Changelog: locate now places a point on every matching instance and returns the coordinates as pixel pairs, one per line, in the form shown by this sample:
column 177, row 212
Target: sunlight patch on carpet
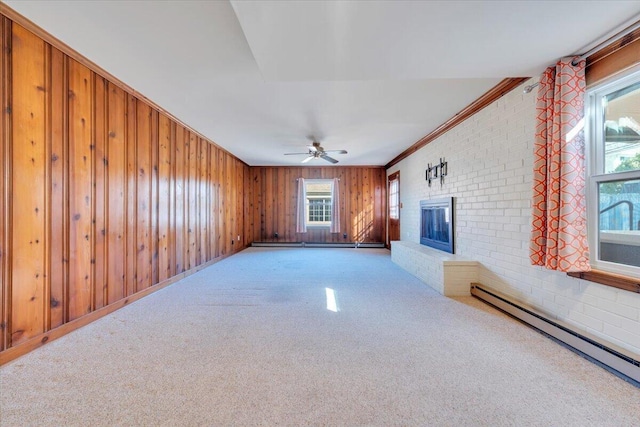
column 331, row 300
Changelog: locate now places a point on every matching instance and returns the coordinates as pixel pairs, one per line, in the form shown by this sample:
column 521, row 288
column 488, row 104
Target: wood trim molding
column 614, row 58
column 609, row 279
column 499, row 90
column 71, row 53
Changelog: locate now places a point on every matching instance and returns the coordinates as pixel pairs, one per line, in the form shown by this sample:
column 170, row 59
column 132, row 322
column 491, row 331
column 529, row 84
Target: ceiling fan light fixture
column 316, row 151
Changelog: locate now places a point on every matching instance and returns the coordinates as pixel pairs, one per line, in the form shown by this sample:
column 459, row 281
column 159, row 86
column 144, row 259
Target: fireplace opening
column 436, row 224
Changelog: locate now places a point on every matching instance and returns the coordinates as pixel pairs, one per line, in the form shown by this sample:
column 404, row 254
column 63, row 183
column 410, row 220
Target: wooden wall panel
column 143, row 197
column 5, row 156
column 180, row 247
column 58, row 236
column 203, row 203
column 101, row 196
column 28, row 192
column 131, row 195
column 274, row 199
column 222, row 201
column 99, row 216
column 80, row 190
column 165, row 172
column 191, row 200
column 247, row 211
column 215, row 202
column 154, row 203
column 116, row 195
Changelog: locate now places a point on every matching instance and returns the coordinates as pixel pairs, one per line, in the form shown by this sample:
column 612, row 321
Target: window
column 394, row 199
column 614, row 175
column 318, row 203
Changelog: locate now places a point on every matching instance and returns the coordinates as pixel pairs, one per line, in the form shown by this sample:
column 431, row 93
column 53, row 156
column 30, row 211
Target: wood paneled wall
column 101, row 196
column 362, row 204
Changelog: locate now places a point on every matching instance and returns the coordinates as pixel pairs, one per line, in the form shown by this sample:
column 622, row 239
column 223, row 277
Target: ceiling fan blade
column 308, row 159
column 329, row 159
column 293, row 154
column 336, row 151
column 312, row 148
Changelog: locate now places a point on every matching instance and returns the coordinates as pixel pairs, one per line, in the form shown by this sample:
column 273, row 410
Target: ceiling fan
column 316, row 151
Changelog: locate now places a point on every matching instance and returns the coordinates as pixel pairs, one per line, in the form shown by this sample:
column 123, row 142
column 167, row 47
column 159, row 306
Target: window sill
column 627, row 283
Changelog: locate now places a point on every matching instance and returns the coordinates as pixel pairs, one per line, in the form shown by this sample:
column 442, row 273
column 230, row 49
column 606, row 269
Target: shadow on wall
column 362, row 226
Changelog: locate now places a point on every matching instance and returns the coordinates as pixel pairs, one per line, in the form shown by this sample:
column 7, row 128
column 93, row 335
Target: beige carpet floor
column 250, row 341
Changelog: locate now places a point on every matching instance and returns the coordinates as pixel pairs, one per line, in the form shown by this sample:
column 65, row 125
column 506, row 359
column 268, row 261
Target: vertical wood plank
column 28, row 202
column 248, row 206
column 47, row 194
column 143, row 192
column 269, row 206
column 197, row 203
column 215, row 202
column 100, row 192
column 58, row 270
column 153, row 262
column 172, row 201
column 131, row 258
column 239, row 203
column 164, row 194
column 116, row 194
column 80, row 190
column 280, row 202
column 258, row 183
column 192, row 225
column 5, row 157
column 204, row 203
column 179, row 199
column 229, row 202
column 223, row 200
column 380, row 204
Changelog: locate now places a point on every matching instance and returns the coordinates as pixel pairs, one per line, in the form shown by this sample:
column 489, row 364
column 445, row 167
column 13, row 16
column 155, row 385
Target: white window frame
column 595, row 159
column 318, row 224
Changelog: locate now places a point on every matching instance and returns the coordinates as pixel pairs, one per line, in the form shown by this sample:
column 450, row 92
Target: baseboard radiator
column 317, row 245
column 619, row 361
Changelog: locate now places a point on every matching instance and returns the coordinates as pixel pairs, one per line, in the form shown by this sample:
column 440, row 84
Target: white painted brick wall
column 448, row 274
column 490, row 172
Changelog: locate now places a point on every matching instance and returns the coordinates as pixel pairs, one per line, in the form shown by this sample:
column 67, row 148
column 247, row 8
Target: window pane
column 319, row 210
column 319, row 202
column 622, row 129
column 619, row 221
column 394, row 202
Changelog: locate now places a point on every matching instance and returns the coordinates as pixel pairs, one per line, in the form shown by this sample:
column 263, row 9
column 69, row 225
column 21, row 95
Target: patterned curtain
column 335, row 206
column 559, row 226
column 301, row 220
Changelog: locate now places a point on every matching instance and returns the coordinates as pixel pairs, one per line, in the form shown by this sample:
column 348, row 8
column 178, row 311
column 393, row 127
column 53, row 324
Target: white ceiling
column 259, row 77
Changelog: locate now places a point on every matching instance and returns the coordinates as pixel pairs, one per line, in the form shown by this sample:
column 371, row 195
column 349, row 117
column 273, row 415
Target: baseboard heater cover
column 316, row 245
column 618, row 360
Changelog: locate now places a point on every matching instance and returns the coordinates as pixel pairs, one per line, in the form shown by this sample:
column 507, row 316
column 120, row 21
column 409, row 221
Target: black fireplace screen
column 436, row 224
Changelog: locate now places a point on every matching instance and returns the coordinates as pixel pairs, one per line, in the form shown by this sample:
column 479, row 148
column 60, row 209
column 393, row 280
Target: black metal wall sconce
column 436, row 171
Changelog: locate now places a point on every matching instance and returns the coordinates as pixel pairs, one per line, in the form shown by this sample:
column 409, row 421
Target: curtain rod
column 631, row 28
column 614, row 38
column 317, row 178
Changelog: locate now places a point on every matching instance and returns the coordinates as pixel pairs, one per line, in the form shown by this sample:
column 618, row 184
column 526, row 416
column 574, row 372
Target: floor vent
column 316, row 245
column 620, row 362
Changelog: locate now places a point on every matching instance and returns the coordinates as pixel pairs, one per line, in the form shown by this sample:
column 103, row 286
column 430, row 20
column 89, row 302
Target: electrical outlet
column 238, row 237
